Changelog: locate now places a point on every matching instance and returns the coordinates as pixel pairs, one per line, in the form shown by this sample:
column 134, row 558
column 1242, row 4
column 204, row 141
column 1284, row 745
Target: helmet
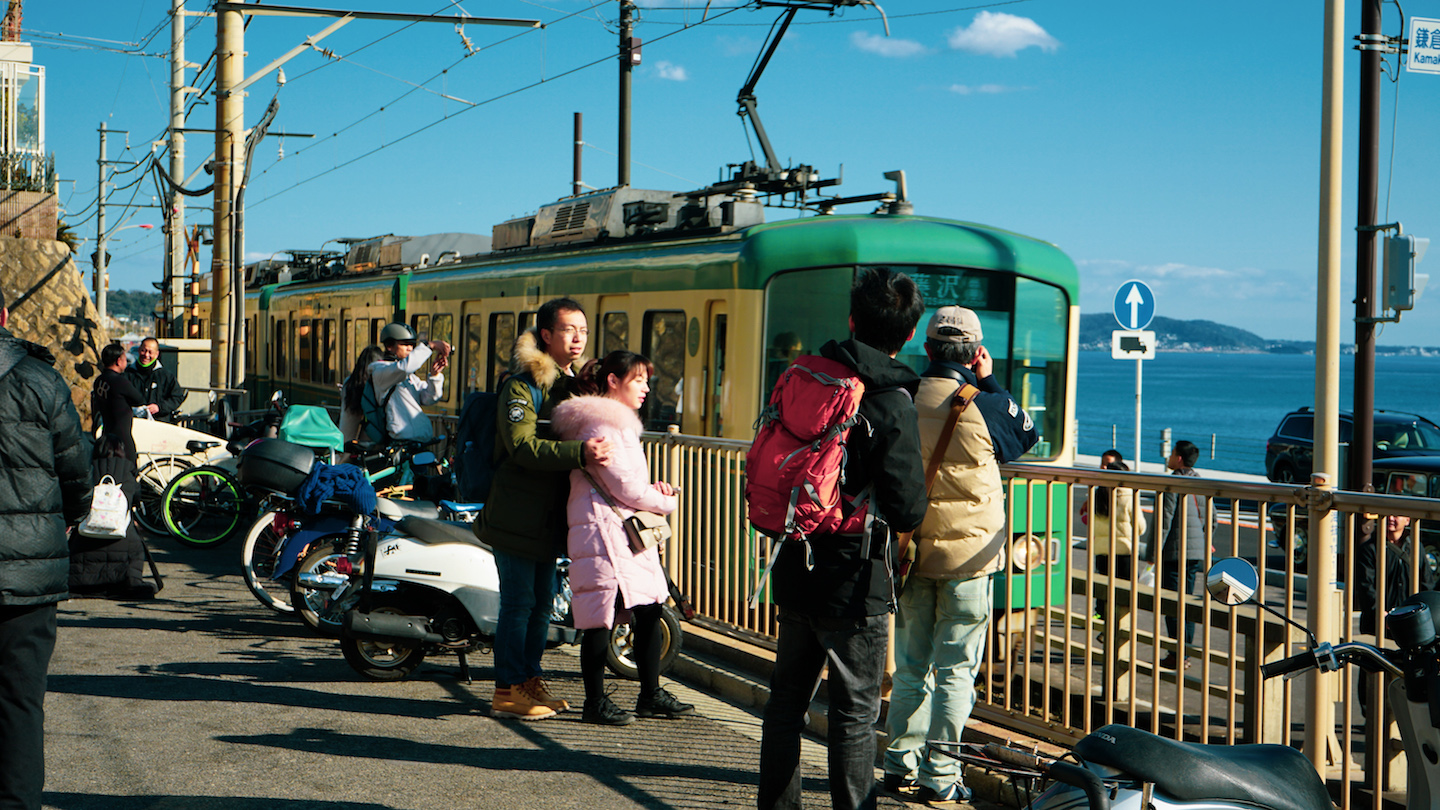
column 397, row 332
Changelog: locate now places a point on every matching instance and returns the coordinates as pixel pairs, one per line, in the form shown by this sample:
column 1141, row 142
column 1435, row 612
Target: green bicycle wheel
column 202, row 507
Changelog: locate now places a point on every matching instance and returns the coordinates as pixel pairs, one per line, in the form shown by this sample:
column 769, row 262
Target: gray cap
column 954, row 324
column 398, row 332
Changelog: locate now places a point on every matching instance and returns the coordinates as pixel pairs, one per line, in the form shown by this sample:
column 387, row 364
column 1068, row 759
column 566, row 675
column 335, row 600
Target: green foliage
column 136, row 305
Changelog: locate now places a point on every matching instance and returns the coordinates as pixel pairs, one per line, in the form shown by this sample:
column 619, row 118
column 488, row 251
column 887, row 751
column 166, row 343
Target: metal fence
column 1067, row 664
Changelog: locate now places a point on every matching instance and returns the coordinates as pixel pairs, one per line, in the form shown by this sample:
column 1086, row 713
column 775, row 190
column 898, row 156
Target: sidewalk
column 203, row 699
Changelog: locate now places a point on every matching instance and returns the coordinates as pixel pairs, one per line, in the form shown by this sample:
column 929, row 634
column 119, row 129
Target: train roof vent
column 571, row 217
column 612, row 213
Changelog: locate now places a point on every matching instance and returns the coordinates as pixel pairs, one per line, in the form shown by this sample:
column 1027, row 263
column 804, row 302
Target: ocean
column 1237, row 399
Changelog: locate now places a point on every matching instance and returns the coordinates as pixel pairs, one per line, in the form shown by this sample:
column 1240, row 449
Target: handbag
column 645, row 530
column 109, row 512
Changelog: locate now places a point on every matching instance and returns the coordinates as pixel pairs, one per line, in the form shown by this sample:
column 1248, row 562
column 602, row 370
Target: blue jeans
column 527, row 599
column 939, row 645
column 855, row 650
column 1170, row 580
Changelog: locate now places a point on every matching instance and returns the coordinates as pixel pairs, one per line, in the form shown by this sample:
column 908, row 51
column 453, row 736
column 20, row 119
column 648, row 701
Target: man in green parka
column 524, row 518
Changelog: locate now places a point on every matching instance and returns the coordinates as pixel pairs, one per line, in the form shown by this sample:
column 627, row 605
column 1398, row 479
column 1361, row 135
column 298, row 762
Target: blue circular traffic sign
column 1134, row 305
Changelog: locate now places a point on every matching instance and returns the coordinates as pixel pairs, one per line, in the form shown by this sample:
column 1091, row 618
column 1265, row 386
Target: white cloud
column 671, row 72
column 887, row 46
column 967, row 90
column 997, row 34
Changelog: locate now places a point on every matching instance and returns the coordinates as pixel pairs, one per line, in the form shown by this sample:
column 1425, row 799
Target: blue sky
column 1174, row 143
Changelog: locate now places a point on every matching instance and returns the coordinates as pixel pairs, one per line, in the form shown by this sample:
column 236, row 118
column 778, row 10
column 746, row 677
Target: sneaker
column 901, row 787
column 512, row 702
column 956, row 795
column 539, row 692
column 604, row 712
column 662, row 704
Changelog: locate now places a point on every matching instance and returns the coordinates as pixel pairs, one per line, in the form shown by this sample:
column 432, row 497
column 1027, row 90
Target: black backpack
column 475, row 461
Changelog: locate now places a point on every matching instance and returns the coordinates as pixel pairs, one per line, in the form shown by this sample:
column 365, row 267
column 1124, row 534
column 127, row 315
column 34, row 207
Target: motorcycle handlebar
column 1285, row 666
column 1330, row 658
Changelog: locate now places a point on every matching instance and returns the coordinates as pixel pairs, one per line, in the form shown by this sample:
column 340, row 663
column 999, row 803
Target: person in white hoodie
column 398, row 388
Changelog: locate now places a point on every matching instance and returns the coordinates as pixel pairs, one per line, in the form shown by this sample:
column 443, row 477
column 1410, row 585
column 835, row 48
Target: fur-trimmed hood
column 574, row 415
column 528, row 356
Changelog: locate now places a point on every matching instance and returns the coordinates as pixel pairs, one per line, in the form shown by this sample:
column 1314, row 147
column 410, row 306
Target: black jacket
column 44, row 474
column 111, row 401
column 158, row 386
column 887, row 457
column 115, row 567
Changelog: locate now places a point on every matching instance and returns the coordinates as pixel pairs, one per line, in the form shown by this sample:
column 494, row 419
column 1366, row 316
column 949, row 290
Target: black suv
column 1289, row 453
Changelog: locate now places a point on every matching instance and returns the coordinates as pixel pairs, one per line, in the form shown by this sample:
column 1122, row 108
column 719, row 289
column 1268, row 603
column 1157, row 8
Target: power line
column 841, row 21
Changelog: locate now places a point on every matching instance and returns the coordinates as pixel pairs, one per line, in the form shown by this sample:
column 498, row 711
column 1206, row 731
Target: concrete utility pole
column 100, row 281
column 1363, row 442
column 175, row 246
column 229, row 125
column 627, row 64
column 1322, row 608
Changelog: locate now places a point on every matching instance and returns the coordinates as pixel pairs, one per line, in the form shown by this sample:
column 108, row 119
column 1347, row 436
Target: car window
column 1412, row 484
column 1424, row 437
column 1300, row 426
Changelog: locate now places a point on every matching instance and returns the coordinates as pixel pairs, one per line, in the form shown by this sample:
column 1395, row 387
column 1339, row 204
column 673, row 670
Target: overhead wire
column 841, row 20
column 437, row 122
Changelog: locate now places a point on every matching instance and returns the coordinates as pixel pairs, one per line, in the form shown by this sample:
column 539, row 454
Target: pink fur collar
column 573, row 416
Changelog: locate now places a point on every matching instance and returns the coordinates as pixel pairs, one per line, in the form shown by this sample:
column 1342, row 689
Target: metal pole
column 229, row 122
column 576, row 185
column 1364, row 434
column 175, row 227
column 1321, row 608
column 1139, row 365
column 626, row 31
column 100, row 280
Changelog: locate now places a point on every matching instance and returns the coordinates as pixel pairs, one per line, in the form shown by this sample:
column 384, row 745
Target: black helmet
column 398, row 332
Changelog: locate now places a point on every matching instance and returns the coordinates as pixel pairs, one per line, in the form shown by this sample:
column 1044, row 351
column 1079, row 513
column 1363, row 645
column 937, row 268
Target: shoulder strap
column 958, row 403
column 603, row 493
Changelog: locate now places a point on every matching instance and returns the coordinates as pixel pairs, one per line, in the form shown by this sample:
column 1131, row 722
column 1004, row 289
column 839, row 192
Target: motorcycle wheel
column 258, row 559
column 620, row 654
column 314, row 605
column 387, row 660
column 202, row 506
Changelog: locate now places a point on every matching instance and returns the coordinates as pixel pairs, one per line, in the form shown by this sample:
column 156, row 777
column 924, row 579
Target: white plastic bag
column 109, row 512
column 1147, row 576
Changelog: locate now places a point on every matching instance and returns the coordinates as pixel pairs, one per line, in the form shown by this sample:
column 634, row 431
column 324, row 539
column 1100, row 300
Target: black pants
column 1170, row 580
column 27, row 640
column 645, row 634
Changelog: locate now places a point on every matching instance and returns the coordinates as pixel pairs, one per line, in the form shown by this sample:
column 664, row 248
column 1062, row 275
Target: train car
column 720, row 306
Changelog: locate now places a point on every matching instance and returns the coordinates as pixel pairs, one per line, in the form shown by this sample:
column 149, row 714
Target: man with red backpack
column 835, row 591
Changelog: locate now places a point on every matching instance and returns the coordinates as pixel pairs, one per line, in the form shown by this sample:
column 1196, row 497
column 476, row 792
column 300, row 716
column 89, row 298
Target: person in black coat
column 104, row 566
column 113, row 400
column 44, row 486
column 162, row 392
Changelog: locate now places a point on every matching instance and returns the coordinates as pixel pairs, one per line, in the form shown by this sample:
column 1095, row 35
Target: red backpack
column 796, row 464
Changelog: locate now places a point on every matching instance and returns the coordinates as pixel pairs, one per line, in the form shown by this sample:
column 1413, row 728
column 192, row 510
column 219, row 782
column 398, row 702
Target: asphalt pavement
column 203, row 699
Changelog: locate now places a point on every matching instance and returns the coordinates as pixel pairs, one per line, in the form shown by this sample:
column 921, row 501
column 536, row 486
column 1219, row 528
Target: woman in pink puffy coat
column 609, row 580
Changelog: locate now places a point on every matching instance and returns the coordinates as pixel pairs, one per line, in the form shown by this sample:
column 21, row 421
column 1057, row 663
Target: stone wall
column 28, row 215
column 50, row 305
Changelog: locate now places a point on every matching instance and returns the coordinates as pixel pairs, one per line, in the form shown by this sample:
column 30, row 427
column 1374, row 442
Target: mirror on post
column 1232, row 581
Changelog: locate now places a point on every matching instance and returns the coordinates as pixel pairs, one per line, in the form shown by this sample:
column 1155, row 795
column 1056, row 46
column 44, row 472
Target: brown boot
column 513, row 702
column 539, row 692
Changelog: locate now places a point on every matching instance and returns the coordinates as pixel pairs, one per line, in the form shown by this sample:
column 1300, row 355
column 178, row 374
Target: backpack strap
column 958, row 403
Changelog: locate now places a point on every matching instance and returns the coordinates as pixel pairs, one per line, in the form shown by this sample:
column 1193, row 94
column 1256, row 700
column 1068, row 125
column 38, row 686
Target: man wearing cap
column 940, row 627
column 400, row 392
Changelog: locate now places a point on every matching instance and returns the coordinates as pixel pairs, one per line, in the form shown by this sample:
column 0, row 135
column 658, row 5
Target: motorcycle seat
column 428, row 530
column 1270, row 776
column 392, row 509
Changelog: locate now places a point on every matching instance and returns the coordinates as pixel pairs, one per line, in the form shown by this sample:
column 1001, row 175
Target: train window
column 362, row 336
column 474, row 353
column 281, row 370
column 803, row 309
column 502, row 341
column 665, row 346
column 717, row 381
column 376, row 327
column 421, row 325
column 331, row 353
column 442, row 327
column 304, row 344
column 251, row 333
column 615, row 332
column 527, row 320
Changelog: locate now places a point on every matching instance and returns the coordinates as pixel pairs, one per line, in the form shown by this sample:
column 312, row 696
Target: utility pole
column 575, row 184
column 1363, row 442
column 229, row 124
column 99, row 280
column 175, row 243
column 628, row 56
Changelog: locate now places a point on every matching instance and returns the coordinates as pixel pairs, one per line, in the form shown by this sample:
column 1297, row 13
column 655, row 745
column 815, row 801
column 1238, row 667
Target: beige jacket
column 1128, row 525
column 964, row 533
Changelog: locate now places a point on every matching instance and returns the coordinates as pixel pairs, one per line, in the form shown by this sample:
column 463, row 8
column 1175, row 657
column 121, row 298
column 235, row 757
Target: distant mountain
column 1207, row 336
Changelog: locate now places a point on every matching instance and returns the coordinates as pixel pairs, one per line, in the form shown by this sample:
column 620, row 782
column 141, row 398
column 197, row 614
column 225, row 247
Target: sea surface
column 1237, row 399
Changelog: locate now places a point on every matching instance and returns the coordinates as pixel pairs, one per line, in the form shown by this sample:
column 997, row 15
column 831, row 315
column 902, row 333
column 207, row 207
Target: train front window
column 1024, row 322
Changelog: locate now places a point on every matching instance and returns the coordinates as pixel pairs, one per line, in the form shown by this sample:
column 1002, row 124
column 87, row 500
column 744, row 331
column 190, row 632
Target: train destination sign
column 1134, row 305
column 1424, row 46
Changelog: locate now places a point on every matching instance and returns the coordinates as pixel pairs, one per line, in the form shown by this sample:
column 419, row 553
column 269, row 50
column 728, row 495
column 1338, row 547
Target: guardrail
column 1057, row 671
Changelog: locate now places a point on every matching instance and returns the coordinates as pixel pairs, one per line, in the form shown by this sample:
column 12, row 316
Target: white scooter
column 431, row 586
column 1121, row 768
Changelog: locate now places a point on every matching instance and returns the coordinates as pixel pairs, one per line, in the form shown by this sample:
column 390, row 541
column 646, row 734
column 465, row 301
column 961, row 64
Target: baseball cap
column 954, row 324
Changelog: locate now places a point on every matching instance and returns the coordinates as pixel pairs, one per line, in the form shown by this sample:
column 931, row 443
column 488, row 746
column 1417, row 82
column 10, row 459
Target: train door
column 470, row 344
column 612, row 329
column 715, row 402
column 348, row 350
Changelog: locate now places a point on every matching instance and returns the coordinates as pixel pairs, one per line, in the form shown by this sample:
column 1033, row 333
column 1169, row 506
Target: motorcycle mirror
column 212, row 396
column 423, row 459
column 1232, row 581
column 275, row 397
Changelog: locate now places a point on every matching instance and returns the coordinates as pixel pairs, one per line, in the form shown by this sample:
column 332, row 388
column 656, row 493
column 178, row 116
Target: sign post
column 1134, row 308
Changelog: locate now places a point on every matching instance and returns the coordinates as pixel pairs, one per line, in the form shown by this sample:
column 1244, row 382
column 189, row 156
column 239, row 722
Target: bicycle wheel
column 153, row 478
column 202, row 506
column 258, row 560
